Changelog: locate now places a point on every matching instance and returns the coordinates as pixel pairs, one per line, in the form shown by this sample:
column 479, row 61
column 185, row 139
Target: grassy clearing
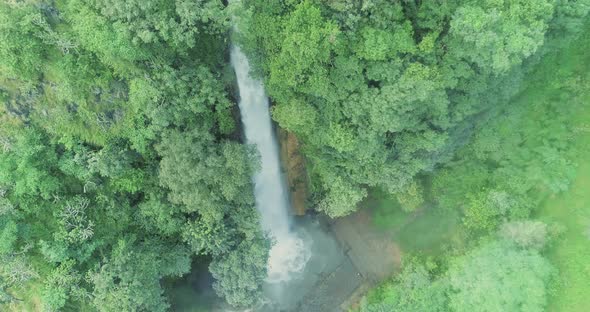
column 428, row 231
column 565, row 77
column 387, row 213
column 431, row 232
column 571, row 210
column 571, row 253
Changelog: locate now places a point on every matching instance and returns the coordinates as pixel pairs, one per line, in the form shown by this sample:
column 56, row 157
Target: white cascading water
column 288, row 255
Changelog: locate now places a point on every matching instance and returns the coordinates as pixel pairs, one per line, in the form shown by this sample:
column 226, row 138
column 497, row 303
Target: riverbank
column 366, row 254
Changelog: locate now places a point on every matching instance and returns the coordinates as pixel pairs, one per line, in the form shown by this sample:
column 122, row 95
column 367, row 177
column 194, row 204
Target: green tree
column 22, row 51
column 239, row 273
column 411, row 197
column 414, row 289
column 62, row 285
column 192, row 165
column 308, row 40
column 498, row 276
column 497, row 35
column 129, row 280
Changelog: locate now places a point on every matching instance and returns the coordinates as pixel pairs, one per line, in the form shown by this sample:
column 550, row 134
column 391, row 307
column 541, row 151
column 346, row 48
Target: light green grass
column 571, row 252
column 565, row 77
column 387, row 213
column 431, row 232
column 427, row 231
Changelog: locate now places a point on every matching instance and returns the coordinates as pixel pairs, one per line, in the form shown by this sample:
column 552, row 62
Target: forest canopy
column 117, row 124
column 381, row 91
column 122, row 162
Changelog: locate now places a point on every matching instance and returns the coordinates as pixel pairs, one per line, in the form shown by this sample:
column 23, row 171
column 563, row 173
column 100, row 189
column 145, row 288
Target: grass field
column 570, row 253
column 427, row 231
column 565, row 77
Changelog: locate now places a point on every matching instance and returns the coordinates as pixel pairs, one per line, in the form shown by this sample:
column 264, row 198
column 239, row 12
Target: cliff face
column 294, row 166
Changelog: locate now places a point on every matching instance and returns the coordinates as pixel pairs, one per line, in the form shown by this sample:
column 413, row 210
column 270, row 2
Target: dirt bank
column 294, row 167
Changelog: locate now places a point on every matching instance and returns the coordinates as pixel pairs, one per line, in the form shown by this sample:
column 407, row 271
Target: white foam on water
column 289, row 255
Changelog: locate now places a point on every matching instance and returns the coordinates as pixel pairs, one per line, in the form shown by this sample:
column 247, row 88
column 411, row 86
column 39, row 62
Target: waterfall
column 288, row 254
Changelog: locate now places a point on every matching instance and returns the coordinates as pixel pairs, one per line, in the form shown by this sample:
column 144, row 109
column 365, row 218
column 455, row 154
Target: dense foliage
column 379, row 91
column 119, row 164
column 529, row 151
